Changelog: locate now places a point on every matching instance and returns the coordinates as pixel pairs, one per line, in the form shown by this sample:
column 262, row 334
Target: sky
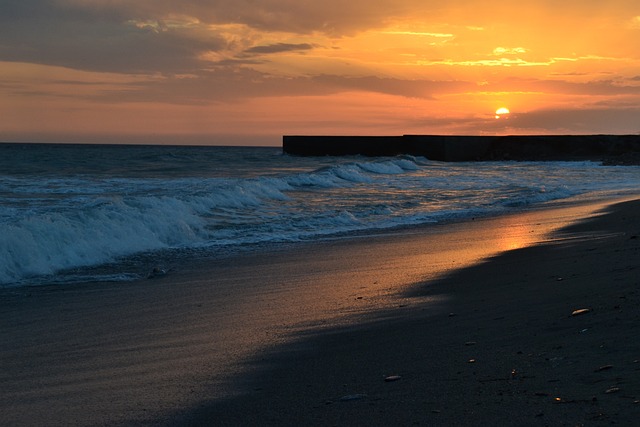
column 249, row 71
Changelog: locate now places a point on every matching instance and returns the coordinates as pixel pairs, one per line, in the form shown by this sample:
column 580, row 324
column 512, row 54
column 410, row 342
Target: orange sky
column 240, row 71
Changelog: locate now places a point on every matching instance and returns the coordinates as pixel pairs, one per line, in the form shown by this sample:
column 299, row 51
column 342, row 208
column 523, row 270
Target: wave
column 60, row 223
column 96, row 222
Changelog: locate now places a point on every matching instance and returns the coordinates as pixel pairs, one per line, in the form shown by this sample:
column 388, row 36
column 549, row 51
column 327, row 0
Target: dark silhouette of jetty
column 618, row 149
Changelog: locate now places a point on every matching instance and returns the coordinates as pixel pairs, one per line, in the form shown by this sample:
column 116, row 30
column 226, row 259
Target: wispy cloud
column 581, row 120
column 499, row 51
column 229, row 84
column 563, row 87
column 278, row 48
column 419, row 34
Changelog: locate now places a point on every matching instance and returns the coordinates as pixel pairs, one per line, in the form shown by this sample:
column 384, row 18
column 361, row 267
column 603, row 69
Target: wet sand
column 472, row 321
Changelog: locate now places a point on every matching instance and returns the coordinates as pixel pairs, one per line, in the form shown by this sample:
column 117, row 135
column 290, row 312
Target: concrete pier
column 456, row 148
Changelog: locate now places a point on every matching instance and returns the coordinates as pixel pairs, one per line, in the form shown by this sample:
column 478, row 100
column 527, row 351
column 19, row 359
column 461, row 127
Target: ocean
column 83, row 213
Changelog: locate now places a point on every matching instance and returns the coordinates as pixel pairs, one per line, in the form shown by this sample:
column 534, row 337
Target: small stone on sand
column 580, row 311
column 350, row 397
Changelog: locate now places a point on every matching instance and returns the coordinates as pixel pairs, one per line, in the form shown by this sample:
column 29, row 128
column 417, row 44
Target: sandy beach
column 525, row 319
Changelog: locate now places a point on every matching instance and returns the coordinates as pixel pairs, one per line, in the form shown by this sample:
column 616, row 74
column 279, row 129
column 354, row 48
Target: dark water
column 67, row 208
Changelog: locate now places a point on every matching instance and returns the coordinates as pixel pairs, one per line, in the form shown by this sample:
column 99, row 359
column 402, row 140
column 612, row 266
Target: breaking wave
column 53, row 223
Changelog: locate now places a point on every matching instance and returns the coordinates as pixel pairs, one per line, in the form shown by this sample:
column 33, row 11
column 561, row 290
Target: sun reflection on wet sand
column 516, row 235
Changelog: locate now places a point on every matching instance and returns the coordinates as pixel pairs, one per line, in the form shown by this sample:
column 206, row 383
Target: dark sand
column 474, row 318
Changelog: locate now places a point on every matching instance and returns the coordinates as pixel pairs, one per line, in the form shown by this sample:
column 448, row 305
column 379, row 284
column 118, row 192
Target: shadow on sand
column 501, row 347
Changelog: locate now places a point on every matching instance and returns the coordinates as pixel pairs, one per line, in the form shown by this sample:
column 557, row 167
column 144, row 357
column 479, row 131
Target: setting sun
column 502, row 111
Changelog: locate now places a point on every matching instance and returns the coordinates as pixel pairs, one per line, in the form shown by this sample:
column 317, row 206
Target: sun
column 502, row 111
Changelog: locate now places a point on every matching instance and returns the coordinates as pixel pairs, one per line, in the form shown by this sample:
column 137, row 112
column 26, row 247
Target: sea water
column 109, row 212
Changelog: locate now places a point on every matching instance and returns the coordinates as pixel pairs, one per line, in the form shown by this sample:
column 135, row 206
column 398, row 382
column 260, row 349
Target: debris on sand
column 350, row 397
column 580, row 311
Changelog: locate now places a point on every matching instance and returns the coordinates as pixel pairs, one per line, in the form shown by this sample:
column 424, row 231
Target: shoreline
column 290, row 334
column 165, row 260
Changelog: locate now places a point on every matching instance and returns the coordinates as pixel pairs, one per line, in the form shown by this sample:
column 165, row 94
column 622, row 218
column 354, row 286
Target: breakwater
column 457, row 148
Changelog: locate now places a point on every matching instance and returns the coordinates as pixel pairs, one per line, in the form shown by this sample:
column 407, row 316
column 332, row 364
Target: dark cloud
column 168, row 38
column 225, row 84
column 573, row 74
column 43, row 32
column 595, row 120
column 595, row 87
column 278, row 48
column 141, row 36
column 619, row 120
column 408, row 88
column 335, row 17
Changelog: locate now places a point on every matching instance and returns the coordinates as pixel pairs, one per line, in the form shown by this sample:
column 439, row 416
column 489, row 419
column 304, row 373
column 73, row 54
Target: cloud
column 569, row 74
column 45, row 33
column 229, row 84
column 596, row 120
column 621, row 119
column 420, row 34
column 335, row 17
column 425, row 89
column 162, row 36
column 166, row 36
column 508, row 51
column 198, row 52
column 278, row 48
column 558, row 87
